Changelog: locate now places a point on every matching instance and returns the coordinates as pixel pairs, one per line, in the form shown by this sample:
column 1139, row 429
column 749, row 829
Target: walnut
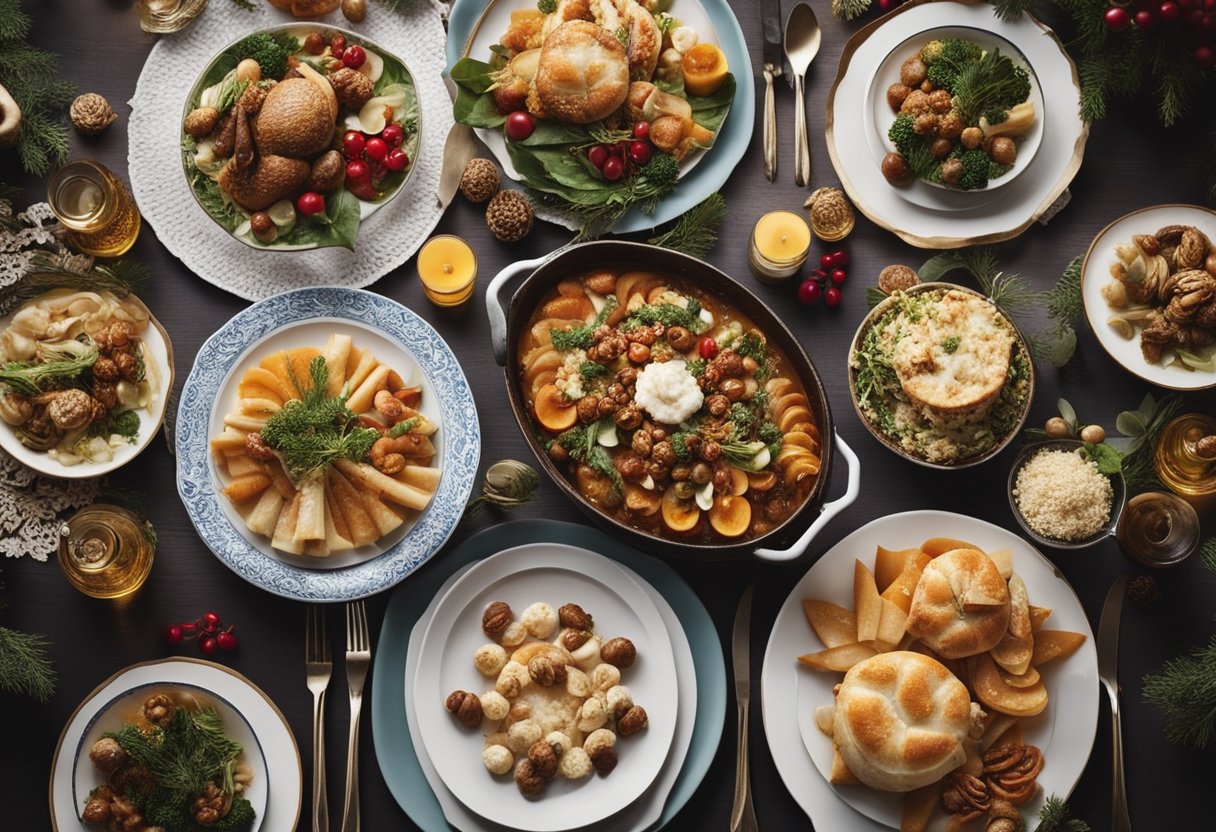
column 479, row 181
column 116, row 335
column 91, row 113
column 619, row 652
column 159, row 709
column 257, row 448
column 604, row 761
column 97, row 809
column 574, row 617
column 545, row 672
column 527, row 779
column 466, row 706
column 634, row 720
column 1149, row 244
column 105, row 393
column 107, row 755
column 496, row 618
column 353, row 88
column 1010, row 772
column 509, row 217
column 201, row 121
column 1170, row 235
column 210, row 807
column 1192, row 249
column 543, row 759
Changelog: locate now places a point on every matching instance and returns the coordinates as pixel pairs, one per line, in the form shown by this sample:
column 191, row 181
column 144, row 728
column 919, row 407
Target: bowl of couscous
column 1063, row 496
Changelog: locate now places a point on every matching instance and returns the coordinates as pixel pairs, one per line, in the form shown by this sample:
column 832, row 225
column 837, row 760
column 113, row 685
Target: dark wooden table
column 1130, row 163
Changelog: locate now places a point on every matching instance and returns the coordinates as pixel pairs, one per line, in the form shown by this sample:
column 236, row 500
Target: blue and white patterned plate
column 306, row 316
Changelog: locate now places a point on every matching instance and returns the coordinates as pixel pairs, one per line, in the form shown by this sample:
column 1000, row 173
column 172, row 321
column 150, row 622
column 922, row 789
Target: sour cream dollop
column 668, row 392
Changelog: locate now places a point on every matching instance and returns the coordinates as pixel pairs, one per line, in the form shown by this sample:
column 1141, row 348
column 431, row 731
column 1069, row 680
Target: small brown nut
column 604, row 760
column 913, row 71
column 354, row 10
column 496, row 618
column 638, row 353
column 543, row 759
column 574, row 639
column 895, row 170
column 1192, row 249
column 897, row 278
column 201, row 121
column 353, row 88
column 1057, row 427
column 545, row 672
column 971, row 137
column 941, row 148
column 1003, row 150
column 314, row 43
column 952, row 171
column 1209, row 264
column 466, row 706
column 527, row 779
column 263, row 227
column 574, row 617
column 896, row 93
column 1093, row 434
column 632, row 721
column 619, row 652
column 249, row 70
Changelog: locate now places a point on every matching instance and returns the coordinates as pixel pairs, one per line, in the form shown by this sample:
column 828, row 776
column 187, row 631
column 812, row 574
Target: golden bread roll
column 583, row 74
column 900, row 722
column 961, row 604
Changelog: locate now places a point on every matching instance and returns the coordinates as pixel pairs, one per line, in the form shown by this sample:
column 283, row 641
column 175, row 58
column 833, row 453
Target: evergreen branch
column 1208, row 553
column 1058, row 342
column 849, row 9
column 14, row 23
column 25, row 667
column 1011, row 9
column 1184, row 690
column 696, row 231
column 1011, row 292
column 1055, row 816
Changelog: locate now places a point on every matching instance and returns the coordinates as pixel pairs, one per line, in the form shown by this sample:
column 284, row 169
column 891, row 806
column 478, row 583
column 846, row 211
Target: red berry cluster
column 371, row 157
column 626, row 156
column 825, row 281
column 1199, row 15
column 206, row 631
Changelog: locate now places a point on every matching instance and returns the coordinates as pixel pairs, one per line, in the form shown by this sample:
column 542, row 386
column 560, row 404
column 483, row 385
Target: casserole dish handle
column 495, row 310
column 829, row 511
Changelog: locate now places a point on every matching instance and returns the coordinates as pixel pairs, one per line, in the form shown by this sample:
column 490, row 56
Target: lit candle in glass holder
column 447, row 267
column 780, row 242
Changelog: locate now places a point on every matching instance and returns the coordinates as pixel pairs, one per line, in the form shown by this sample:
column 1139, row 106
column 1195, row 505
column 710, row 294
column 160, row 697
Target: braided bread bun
column 961, row 604
column 900, row 721
column 583, row 74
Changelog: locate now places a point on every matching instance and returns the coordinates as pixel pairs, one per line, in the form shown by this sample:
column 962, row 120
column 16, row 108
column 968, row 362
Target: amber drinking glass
column 95, row 207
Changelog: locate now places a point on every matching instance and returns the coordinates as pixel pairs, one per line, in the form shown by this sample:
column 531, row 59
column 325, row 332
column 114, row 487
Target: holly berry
column 809, row 292
column 838, row 276
column 189, row 627
column 226, row 640
column 1145, row 19
column 1169, row 11
column 1117, row 19
column 354, row 57
column 639, row 152
column 397, row 160
column 618, row 149
column 310, row 203
column 208, row 644
column 173, row 634
column 613, row 168
column 393, row 135
column 519, row 126
column 641, row 130
column 353, row 144
column 210, row 621
column 1208, row 24
column 336, row 45
column 707, row 348
column 832, row 296
column 363, row 188
column 1205, row 57
column 598, row 155
column 376, row 148
column 356, row 169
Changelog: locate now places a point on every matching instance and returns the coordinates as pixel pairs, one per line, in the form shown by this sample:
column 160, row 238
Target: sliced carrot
column 679, row 515
column 730, row 516
column 554, row 413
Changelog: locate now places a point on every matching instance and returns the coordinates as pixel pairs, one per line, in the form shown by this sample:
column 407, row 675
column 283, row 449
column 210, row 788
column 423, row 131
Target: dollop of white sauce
column 668, row 392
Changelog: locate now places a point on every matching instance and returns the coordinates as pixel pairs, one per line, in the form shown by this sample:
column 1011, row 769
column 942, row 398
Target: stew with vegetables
column 668, row 410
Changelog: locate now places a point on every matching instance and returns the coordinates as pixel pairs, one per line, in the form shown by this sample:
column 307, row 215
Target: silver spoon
column 802, row 37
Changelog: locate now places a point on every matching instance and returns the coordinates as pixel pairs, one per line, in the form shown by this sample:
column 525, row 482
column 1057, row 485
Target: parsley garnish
column 580, row 443
column 125, row 424
column 579, row 337
column 667, row 314
column 950, row 344
column 590, row 371
column 696, row 367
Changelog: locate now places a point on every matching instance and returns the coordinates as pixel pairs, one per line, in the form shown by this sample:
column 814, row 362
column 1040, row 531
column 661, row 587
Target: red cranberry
column 598, row 155
column 641, row 130
column 1145, row 19
column 173, row 634
column 393, row 135
column 639, row 152
column 1170, row 11
column 1117, row 19
column 397, row 160
column 353, row 144
column 519, row 126
column 356, row 169
column 707, row 348
column 613, row 168
column 832, row 296
column 809, row 292
column 838, row 276
column 354, row 57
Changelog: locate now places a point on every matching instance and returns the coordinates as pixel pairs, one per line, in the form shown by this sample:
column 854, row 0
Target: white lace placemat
column 30, row 505
column 386, row 239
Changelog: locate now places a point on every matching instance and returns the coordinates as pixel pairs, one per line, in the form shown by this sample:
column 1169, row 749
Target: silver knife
column 1108, row 672
column 774, row 55
column 742, row 815
column 458, row 149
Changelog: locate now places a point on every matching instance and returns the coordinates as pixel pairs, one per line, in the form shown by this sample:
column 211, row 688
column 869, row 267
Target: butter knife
column 742, row 815
column 458, row 149
column 1108, row 672
column 774, row 55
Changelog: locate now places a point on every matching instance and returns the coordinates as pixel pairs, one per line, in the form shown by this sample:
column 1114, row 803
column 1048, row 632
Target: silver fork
column 318, row 665
column 358, row 657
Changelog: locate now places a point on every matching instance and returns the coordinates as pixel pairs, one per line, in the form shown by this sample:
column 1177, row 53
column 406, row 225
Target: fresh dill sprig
column 25, row 667
column 668, row 314
column 1055, row 816
column 579, row 337
column 313, row 431
column 56, row 363
column 696, row 231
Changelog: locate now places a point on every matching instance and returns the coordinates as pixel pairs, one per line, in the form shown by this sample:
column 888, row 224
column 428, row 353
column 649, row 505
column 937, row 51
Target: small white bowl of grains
column 1061, row 497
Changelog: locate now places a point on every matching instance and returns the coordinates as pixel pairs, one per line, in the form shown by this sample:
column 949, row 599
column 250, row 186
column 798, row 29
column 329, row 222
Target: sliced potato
column 360, row 401
column 265, row 514
column 867, row 603
column 337, row 354
column 362, row 530
column 832, row 623
column 285, row 530
column 888, row 563
column 839, row 659
column 310, row 517
column 935, row 546
column 1003, row 558
column 240, row 465
column 1050, row 645
column 986, row 682
column 901, row 590
column 891, row 626
column 247, row 487
column 1038, row 617
column 1020, row 680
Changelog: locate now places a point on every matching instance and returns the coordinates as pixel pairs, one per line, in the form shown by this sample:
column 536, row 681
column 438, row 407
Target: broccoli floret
column 239, row 818
column 771, row 436
column 902, row 134
column 931, row 51
column 975, row 169
column 679, row 443
column 1016, row 90
column 959, row 51
column 995, row 115
column 662, row 170
column 270, row 51
column 947, row 60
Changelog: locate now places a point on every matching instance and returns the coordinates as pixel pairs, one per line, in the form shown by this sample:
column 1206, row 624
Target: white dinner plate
column 638, row 816
column 879, row 116
column 936, row 217
column 398, row 337
column 1095, row 273
column 557, row 575
column 250, row 718
column 156, row 346
column 790, row 693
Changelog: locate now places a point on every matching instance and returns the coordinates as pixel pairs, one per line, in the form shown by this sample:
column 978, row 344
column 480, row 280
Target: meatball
column 159, row 710
column 895, row 170
column 925, row 125
column 952, row 172
column 896, row 93
column 941, row 101
column 941, row 148
column 950, row 126
column 107, row 755
column 1003, row 150
column 913, row 71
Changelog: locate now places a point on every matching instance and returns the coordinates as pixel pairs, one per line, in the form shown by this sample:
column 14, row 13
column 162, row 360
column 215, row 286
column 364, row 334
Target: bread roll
column 961, row 604
column 901, row 719
column 583, row 73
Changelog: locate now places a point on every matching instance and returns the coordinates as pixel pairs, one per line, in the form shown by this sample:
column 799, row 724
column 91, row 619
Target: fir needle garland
column 29, row 74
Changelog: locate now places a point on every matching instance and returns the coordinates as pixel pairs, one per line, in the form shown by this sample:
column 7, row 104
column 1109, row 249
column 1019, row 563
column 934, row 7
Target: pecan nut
column 496, row 619
column 466, row 707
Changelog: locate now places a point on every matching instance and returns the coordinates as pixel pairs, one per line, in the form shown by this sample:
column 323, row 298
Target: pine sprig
column 1064, row 306
column 696, row 231
column 48, row 271
column 29, row 75
column 849, row 9
column 1055, row 816
column 25, row 667
column 1208, row 554
column 1184, row 690
column 1011, row 292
